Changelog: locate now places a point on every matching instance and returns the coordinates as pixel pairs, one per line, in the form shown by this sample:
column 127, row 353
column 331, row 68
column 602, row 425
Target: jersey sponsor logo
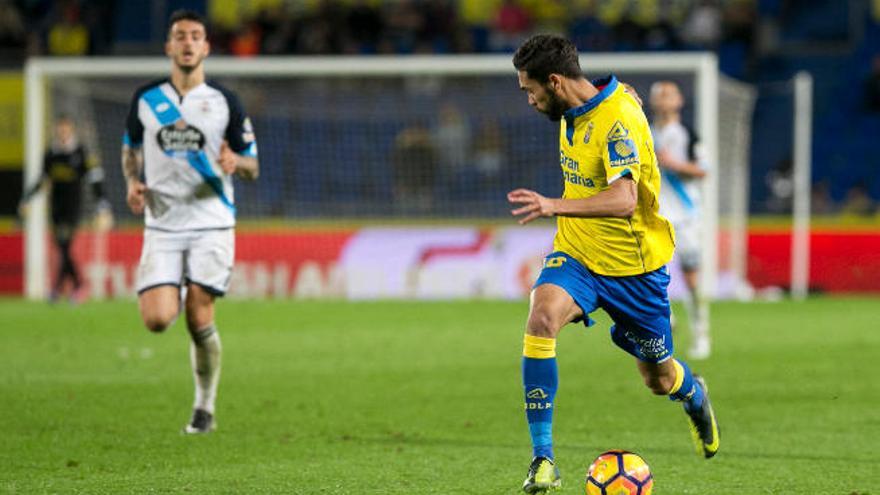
column 622, row 153
column 578, row 180
column 654, row 348
column 554, row 262
column 536, row 393
column 567, row 162
column 621, row 149
column 180, row 138
column 618, row 131
column 162, row 107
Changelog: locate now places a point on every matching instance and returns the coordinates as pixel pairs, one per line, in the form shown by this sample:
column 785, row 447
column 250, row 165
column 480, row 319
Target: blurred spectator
column 365, row 25
column 452, row 140
column 739, row 20
column 488, row 151
column 12, row 30
column 703, row 27
column 69, row 36
column 821, row 202
column 872, row 86
column 438, row 33
column 247, row 41
column 404, row 21
column 275, row 30
column 549, row 15
column 415, row 165
column 512, row 24
column 98, row 16
column 589, row 33
column 318, row 33
column 858, row 202
column 781, row 185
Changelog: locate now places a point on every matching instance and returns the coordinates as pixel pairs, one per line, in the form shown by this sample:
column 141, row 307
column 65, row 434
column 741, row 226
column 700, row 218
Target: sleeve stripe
column 622, row 173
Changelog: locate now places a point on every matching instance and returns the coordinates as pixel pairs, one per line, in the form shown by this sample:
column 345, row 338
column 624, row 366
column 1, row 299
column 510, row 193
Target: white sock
column 696, row 310
column 205, row 360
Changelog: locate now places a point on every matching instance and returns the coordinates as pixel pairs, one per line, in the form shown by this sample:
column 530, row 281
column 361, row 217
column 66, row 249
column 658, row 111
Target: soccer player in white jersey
column 682, row 169
column 185, row 138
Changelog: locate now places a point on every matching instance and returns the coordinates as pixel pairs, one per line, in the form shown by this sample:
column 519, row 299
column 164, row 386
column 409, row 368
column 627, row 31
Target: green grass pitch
column 425, row 398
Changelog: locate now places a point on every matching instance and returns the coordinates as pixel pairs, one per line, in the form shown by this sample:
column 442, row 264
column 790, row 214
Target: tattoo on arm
column 132, row 161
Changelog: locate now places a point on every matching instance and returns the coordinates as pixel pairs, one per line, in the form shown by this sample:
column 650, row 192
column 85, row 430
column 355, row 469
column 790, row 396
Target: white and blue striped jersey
column 679, row 195
column 181, row 138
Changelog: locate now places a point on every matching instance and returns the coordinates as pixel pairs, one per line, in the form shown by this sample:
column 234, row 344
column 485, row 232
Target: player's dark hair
column 545, row 54
column 186, row 15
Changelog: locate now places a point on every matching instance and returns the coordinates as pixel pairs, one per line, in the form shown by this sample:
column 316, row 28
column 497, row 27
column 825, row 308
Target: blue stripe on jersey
column 251, row 150
column 679, row 189
column 167, row 113
column 199, row 161
column 162, row 107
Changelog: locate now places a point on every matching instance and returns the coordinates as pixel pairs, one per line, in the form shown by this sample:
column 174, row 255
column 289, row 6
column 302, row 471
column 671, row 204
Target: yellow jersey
column 600, row 142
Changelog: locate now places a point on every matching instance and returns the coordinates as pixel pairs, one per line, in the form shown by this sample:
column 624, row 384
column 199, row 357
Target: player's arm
column 133, row 159
column 34, row 189
column 682, row 167
column 619, row 201
column 41, row 181
column 132, row 165
column 247, row 167
column 238, row 153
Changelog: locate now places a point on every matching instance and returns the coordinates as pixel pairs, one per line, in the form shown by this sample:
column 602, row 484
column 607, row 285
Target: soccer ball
column 618, row 472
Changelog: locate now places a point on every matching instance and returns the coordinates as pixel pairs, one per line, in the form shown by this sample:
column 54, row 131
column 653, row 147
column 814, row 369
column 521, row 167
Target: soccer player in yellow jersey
column 611, row 245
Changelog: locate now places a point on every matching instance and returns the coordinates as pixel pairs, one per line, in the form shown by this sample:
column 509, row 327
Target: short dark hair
column 186, row 15
column 545, row 54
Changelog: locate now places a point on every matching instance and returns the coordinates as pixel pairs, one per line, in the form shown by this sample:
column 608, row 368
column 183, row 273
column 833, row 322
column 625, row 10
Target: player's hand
column 136, row 197
column 533, row 205
column 227, row 159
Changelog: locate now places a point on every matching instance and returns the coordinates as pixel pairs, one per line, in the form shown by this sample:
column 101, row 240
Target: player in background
column 611, row 245
column 66, row 165
column 185, row 138
column 681, row 169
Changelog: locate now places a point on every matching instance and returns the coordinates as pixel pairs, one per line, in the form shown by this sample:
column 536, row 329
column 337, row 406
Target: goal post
column 700, row 69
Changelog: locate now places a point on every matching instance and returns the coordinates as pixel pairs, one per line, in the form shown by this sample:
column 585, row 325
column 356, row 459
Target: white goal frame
column 703, row 66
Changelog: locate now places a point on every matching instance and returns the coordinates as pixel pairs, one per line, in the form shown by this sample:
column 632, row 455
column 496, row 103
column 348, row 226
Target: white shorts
column 201, row 257
column 688, row 243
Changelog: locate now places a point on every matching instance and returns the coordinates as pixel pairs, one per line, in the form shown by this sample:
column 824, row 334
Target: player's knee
column 542, row 324
column 158, row 321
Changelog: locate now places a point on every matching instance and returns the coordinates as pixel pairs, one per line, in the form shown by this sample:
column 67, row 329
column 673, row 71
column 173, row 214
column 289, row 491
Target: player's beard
column 555, row 107
column 188, row 67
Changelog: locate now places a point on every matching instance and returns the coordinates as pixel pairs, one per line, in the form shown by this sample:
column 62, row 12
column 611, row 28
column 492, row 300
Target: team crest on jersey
column 621, row 149
column 589, row 133
column 180, row 138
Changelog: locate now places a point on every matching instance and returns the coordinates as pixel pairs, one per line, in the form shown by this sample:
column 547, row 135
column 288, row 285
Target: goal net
column 380, row 176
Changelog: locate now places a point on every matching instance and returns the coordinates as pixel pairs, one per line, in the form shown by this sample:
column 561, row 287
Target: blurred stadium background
column 390, row 185
column 344, row 157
